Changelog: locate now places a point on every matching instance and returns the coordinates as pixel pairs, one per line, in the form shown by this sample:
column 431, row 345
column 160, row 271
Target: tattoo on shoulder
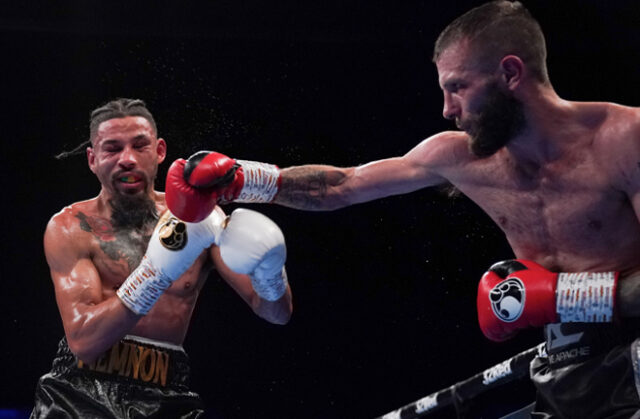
column 100, row 227
column 127, row 245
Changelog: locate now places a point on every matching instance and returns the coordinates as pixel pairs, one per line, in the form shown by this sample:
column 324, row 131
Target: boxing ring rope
column 506, row 371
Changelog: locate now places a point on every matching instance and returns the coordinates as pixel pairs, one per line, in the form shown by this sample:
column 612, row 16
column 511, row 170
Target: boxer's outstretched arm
column 318, row 187
column 91, row 323
column 208, row 178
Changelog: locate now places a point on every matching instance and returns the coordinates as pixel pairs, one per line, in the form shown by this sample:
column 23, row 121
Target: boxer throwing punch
column 127, row 274
column 560, row 178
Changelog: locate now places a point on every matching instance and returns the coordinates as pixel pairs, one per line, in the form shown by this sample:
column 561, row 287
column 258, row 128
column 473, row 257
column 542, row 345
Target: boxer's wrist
column 586, row 297
column 261, row 182
column 143, row 287
column 270, row 288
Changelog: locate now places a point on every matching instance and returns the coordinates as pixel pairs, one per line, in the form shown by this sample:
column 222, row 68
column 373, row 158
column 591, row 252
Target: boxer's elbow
column 275, row 312
column 83, row 350
column 281, row 318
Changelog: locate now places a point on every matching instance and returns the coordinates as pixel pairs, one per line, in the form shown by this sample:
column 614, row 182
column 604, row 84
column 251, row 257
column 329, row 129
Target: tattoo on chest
column 118, row 244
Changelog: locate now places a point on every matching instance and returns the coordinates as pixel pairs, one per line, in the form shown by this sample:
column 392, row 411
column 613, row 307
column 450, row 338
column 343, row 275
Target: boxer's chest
column 568, row 212
column 115, row 258
column 115, row 252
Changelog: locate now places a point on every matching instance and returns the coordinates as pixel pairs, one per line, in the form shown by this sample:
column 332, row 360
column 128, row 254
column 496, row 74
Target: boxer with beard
column 560, row 178
column 127, row 274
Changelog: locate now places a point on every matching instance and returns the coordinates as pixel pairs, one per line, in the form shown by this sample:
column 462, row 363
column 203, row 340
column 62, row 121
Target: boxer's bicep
column 76, row 280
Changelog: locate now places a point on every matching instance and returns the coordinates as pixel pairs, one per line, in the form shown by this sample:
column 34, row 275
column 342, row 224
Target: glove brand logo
column 173, row 234
column 507, row 299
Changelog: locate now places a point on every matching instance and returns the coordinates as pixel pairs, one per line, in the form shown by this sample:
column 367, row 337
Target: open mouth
column 129, row 182
column 130, row 179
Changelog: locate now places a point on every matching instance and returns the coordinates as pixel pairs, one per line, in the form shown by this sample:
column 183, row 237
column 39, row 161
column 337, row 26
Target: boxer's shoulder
column 444, row 148
column 610, row 122
column 614, row 140
column 78, row 228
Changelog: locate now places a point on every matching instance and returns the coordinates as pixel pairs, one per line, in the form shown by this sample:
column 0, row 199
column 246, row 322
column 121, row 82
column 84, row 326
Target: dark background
column 384, row 292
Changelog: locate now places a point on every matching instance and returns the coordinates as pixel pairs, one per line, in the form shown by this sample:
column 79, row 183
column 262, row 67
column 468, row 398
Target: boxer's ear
column 511, row 71
column 91, row 158
column 161, row 149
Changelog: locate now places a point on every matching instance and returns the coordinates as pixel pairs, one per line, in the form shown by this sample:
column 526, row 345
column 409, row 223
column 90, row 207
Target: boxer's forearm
column 628, row 295
column 96, row 328
column 313, row 187
column 276, row 312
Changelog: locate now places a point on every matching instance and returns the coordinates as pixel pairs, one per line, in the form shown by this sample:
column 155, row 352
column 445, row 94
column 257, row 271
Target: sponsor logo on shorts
column 173, row 233
column 569, row 354
column 507, row 299
column 496, row 372
column 556, row 339
column 125, row 359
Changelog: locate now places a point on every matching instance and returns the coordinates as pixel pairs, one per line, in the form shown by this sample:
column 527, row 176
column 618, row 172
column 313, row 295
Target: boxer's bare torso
column 572, row 210
column 113, row 253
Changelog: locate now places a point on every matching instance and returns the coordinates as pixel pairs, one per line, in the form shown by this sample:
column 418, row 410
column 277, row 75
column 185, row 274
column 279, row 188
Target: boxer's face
column 474, row 98
column 125, row 154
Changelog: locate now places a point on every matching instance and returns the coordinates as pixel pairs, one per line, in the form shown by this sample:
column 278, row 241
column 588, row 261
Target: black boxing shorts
column 136, row 378
column 589, row 370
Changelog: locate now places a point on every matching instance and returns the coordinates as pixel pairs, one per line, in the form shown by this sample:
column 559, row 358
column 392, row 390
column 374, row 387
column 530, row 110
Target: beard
column 133, row 212
column 500, row 119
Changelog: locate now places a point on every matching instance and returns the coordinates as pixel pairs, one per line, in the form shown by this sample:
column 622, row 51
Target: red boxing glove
column 517, row 294
column 194, row 187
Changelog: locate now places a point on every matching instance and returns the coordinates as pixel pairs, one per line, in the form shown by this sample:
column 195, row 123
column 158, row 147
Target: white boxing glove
column 253, row 244
column 173, row 248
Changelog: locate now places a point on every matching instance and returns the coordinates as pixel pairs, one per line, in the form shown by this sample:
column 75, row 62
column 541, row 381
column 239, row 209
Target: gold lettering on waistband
column 134, row 361
column 133, row 364
column 162, row 366
column 147, row 368
column 118, row 358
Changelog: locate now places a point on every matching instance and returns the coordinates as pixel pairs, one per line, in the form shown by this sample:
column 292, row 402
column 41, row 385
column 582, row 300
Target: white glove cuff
column 270, row 289
column 260, row 181
column 143, row 287
column 586, row 296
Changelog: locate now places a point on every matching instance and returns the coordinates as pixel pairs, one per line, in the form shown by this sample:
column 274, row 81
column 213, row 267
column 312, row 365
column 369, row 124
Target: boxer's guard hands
column 173, row 248
column 250, row 243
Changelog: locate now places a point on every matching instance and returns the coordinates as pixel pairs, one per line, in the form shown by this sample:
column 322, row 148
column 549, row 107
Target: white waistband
column 160, row 343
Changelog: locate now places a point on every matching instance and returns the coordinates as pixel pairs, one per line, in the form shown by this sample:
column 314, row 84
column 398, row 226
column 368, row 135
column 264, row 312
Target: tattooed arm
column 318, row 187
column 91, row 323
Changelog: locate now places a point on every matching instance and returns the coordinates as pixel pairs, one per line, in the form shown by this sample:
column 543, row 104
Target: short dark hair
column 496, row 29
column 117, row 108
